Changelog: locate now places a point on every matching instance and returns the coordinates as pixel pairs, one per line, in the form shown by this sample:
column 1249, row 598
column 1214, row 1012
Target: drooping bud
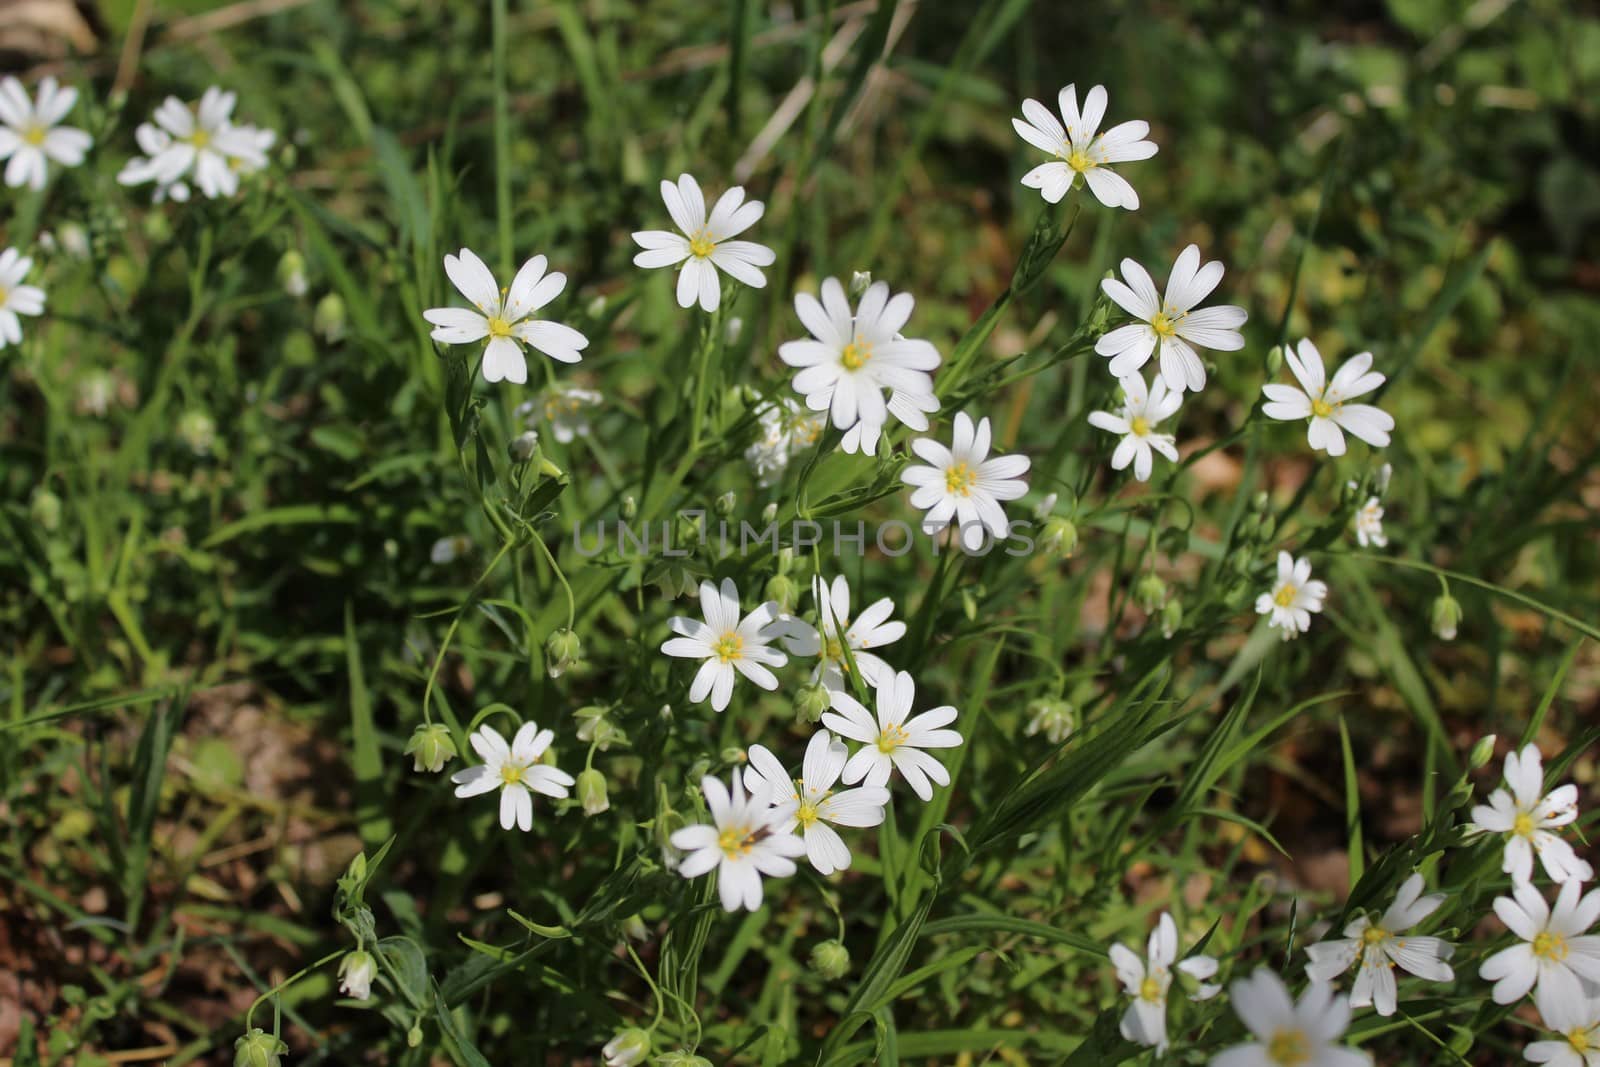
column 1274, row 360
column 292, row 273
column 356, row 972
column 1171, row 617
column 1446, row 616
column 860, row 282
column 591, row 792
column 634, row 929
column 198, row 430
column 45, row 509
column 734, row 754
column 782, row 591
column 328, row 319
column 770, row 512
column 810, row 702
column 733, row 331
column 595, row 725
column 1150, row 592
column 430, row 748
column 629, row 1047
column 561, row 651
column 725, row 504
column 1482, row 753
column 1053, row 717
column 680, row 1058
column 1060, row 537
column 523, row 446
column 830, row 959
column 630, row 508
column 258, row 1049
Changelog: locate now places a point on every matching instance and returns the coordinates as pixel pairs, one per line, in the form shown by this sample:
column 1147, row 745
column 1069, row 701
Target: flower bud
column 1274, row 361
column 733, row 331
column 1045, row 507
column 1381, row 482
column 414, row 1037
column 1054, row 717
column 523, row 446
column 356, row 973
column 629, row 1047
column 596, row 307
column 676, row 581
column 591, row 792
column 1261, row 501
column 1171, row 617
column 782, row 591
column 634, row 929
column 258, row 1049
column 550, row 470
column 681, row 1058
column 770, row 512
column 830, row 959
column 1060, row 537
column 561, row 651
column 1482, row 753
column 1150, row 592
column 292, row 273
column 328, row 319
column 734, row 754
column 198, row 430
column 630, row 508
column 860, row 282
column 810, row 702
column 725, row 504
column 1446, row 616
column 45, row 508
column 430, row 748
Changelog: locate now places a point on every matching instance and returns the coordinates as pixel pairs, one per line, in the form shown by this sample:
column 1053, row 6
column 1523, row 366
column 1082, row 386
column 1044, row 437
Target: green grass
column 215, row 655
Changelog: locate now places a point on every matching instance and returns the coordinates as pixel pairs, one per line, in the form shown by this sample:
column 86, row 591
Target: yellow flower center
column 806, row 814
column 1289, row 1048
column 736, row 841
column 1150, row 989
column 511, row 773
column 1079, row 160
column 1139, row 425
column 856, row 354
column 499, row 327
column 34, row 135
column 834, row 651
column 959, row 478
column 891, row 738
column 1285, row 596
column 729, row 647
column 1321, row 408
column 1163, row 325
column 1552, row 947
column 201, row 138
column 5, row 294
column 701, row 246
column 1523, row 825
column 1580, row 1040
column 1373, row 934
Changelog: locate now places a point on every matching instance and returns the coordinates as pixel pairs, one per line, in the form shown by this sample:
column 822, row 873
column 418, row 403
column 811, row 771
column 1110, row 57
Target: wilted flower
column 430, row 747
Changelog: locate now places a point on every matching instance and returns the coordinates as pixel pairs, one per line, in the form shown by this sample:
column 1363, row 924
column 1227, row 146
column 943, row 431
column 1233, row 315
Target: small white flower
column 704, row 246
column 1327, row 403
column 729, row 645
column 1369, row 524
column 853, row 358
column 963, row 483
column 513, row 769
column 870, row 629
column 810, row 802
column 1289, row 1034
column 505, row 317
column 627, row 1048
column 745, row 841
column 786, row 429
column 356, row 972
column 1557, row 955
column 1294, row 597
column 1080, row 148
column 566, row 408
column 31, row 137
column 16, row 298
column 449, row 549
column 200, row 143
column 1525, row 815
column 1381, row 947
column 1142, row 411
column 1170, row 322
column 1147, row 982
column 1577, row 1021
column 894, row 741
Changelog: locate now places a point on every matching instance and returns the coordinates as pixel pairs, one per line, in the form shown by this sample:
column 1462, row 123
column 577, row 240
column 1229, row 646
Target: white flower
column 1557, row 954
column 16, row 298
column 892, row 742
column 1148, row 980
column 870, row 629
column 1080, row 148
column 810, row 802
column 1380, row 949
column 565, row 408
column 627, row 1048
column 449, row 549
column 1327, row 403
column 730, row 646
column 504, row 317
column 854, row 358
column 1288, row 1034
column 356, row 972
column 1294, row 597
column 786, row 429
column 704, row 248
column 1369, row 524
column 962, row 482
column 1578, row 1023
column 1171, row 322
column 31, row 137
column 1526, row 816
column 1142, row 411
column 202, row 144
column 745, row 841
column 513, row 769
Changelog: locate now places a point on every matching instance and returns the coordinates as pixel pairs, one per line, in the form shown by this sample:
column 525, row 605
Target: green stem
column 572, row 608
column 444, row 646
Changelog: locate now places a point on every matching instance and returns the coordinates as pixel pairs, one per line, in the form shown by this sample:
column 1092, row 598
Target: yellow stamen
column 734, row 842
column 511, row 773
column 958, row 479
column 1139, row 425
column 806, row 814
column 499, row 327
column 891, row 738
column 701, row 246
column 1523, row 825
column 1164, row 325
column 1289, row 1048
column 201, row 138
column 729, row 647
column 1285, row 596
column 834, row 651
column 35, row 135
column 1373, row 934
column 1321, row 408
column 1580, row 1040
column 1079, row 160
column 1552, row 947
column 1150, row 990
column 855, row 354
